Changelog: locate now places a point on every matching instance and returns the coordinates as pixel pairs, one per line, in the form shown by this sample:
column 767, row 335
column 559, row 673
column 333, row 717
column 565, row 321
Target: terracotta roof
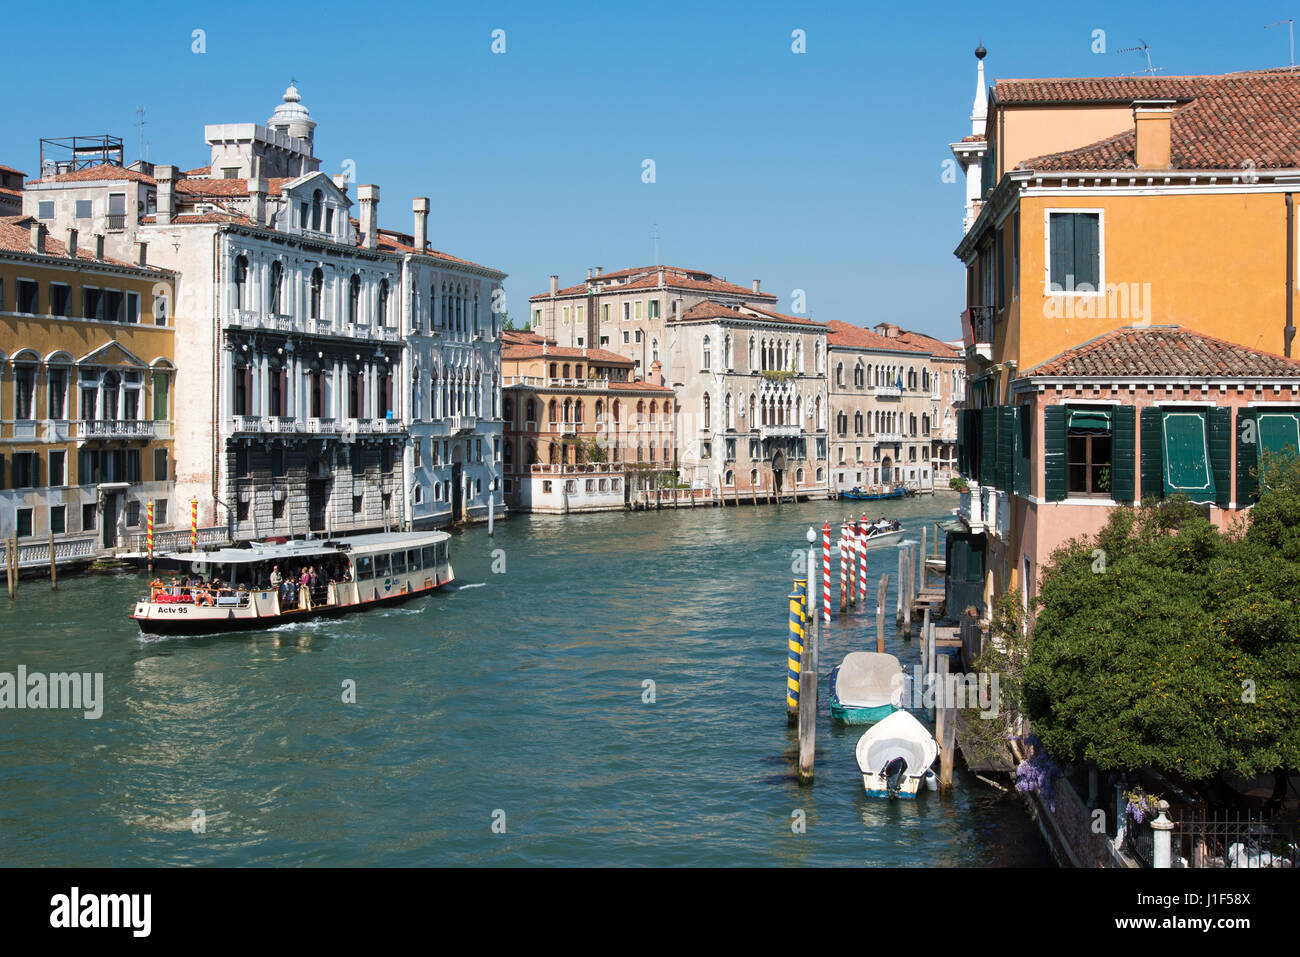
column 11, row 192
column 639, row 386
column 185, row 219
column 104, row 172
column 10, row 169
column 534, row 351
column 1225, row 122
column 845, row 335
column 1141, row 351
column 15, row 237
column 708, row 309
column 198, row 171
column 1100, row 90
column 647, row 277
column 228, row 187
column 523, row 337
column 973, row 138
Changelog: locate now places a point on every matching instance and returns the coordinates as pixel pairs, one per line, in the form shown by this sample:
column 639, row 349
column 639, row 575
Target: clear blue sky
column 819, row 171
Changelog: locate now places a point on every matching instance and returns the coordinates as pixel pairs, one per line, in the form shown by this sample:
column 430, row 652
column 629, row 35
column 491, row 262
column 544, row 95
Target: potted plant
column 959, row 483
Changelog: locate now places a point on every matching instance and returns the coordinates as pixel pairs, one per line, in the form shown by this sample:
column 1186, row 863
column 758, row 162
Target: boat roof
column 307, row 548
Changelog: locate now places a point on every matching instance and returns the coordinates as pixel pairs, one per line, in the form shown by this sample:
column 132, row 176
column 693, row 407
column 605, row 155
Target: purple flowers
column 1038, row 774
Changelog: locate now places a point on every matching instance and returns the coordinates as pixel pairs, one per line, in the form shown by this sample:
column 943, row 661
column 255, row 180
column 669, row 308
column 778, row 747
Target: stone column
column 1161, row 828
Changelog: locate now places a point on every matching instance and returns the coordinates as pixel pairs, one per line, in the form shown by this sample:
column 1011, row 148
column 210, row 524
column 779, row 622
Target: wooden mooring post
column 881, row 591
column 945, row 728
column 808, row 703
column 9, row 571
column 54, row 575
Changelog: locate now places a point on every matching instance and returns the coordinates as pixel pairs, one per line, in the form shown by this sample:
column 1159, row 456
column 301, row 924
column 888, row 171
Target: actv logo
column 102, row 910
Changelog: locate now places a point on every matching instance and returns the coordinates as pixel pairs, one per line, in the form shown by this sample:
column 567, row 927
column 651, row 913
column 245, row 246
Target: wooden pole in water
column 930, row 659
column 909, row 579
column 902, row 587
column 881, row 591
column 948, row 742
column 9, row 571
column 940, row 699
column 808, row 706
column 54, row 576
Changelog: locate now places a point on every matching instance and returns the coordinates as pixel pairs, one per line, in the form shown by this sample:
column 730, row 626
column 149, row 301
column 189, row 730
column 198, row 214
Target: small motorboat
column 875, row 493
column 894, row 756
column 866, row 687
column 883, row 533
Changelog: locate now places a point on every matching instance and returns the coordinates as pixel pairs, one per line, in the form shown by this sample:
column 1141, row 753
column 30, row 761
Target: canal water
column 516, row 701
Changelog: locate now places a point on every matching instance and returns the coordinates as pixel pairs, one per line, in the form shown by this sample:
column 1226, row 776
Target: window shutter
column 1054, row 453
column 1153, row 462
column 1062, row 240
column 1001, row 267
column 2, row 471
column 1006, row 466
column 1219, row 423
column 1247, row 456
column 988, row 445
column 35, row 461
column 1087, row 262
column 1024, row 427
column 1123, row 428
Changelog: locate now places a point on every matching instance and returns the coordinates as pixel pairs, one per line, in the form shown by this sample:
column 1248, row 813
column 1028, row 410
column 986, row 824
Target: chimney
column 72, row 244
column 1152, row 120
column 341, row 181
column 37, row 238
column 660, row 277
column 588, row 275
column 599, row 270
column 757, row 283
column 420, row 206
column 656, row 373
column 555, row 285
column 166, row 177
column 99, row 245
column 141, row 254
column 369, row 198
column 257, row 200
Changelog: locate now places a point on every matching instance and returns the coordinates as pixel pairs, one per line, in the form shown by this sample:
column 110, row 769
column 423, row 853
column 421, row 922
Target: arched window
column 654, row 349
column 859, row 376
column 316, row 198
column 752, row 358
column 554, row 408
column 354, row 298
column 317, row 285
column 382, row 318
column 728, row 411
column 241, row 282
column 839, row 373
column 706, row 410
column 531, row 412
column 277, row 275
column 708, row 355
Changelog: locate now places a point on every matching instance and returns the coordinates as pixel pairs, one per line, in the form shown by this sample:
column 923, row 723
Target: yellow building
column 86, row 390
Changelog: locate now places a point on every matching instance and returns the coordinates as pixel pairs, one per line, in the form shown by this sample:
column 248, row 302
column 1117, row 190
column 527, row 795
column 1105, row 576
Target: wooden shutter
column 1087, row 258
column 1054, row 453
column 1219, row 424
column 1123, row 433
column 1247, row 456
column 988, row 445
column 1062, row 240
column 1001, row 268
column 1006, row 466
column 1153, row 462
column 961, row 442
column 2, row 471
column 1024, row 427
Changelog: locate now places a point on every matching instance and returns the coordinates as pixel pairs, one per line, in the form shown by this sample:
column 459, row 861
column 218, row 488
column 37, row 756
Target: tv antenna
column 1144, row 49
column 1290, row 29
column 142, row 123
column 656, row 238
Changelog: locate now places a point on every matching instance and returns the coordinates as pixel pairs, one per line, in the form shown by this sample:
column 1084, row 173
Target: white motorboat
column 894, row 756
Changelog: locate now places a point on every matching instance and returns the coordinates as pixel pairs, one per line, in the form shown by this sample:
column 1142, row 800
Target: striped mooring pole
column 862, row 562
column 148, row 532
column 194, row 524
column 826, row 571
column 794, row 662
column 844, row 567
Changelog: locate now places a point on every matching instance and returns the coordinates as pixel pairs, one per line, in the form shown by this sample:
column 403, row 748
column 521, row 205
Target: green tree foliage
column 1162, row 642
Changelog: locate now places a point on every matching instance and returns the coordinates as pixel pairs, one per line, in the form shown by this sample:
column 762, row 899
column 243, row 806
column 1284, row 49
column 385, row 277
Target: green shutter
column 1247, row 456
column 1024, row 428
column 1087, row 261
column 1006, row 468
column 1054, row 453
column 1219, row 422
column 988, row 445
column 1187, row 455
column 1061, row 227
column 1122, row 434
column 1153, row 470
column 961, row 442
column 1278, row 434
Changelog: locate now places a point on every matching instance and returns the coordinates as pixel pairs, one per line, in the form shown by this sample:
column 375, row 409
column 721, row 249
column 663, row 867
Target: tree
column 1163, row 642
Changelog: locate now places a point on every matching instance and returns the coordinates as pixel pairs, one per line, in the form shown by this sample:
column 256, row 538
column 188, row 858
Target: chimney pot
column 1152, row 120
column 599, row 270
column 257, row 200
column 166, row 178
column 420, row 206
column 72, row 243
column 589, row 275
column 99, row 245
column 555, row 284
column 341, row 181
column 37, row 238
column 757, row 283
column 368, row 195
column 660, row 277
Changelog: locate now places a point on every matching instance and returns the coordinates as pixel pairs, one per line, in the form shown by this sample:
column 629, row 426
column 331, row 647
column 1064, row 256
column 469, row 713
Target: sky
column 820, row 171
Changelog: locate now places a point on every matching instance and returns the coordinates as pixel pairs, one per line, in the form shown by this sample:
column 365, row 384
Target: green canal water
column 517, row 698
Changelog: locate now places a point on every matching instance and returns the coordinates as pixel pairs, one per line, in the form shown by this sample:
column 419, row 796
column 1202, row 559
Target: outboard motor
column 893, row 775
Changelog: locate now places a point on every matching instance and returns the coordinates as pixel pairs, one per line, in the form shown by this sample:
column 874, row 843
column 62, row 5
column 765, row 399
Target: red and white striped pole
column 826, row 570
column 844, row 567
column 862, row 562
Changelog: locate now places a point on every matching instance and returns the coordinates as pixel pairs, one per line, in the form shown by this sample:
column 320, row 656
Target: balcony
column 462, row 423
column 985, row 509
column 779, row 432
column 887, row 392
column 115, row 222
column 563, row 428
column 115, row 429
column 977, row 331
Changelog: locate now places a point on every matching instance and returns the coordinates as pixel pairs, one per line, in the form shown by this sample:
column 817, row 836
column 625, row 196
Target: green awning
column 1088, row 420
column 1187, row 456
column 1279, row 433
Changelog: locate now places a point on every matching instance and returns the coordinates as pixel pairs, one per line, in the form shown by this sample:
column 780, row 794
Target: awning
column 1187, row 456
column 1088, row 420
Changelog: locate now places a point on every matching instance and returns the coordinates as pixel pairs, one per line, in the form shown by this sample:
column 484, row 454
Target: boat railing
column 198, row 595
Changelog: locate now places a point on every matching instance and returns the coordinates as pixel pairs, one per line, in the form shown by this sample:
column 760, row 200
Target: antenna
column 141, row 122
column 1145, row 48
column 656, row 236
column 1290, row 29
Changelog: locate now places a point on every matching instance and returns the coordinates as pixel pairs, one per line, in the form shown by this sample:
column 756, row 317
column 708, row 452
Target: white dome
column 292, row 117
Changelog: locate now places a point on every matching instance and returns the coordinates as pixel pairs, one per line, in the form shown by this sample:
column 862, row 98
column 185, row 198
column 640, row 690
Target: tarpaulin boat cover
column 898, row 736
column 869, row 679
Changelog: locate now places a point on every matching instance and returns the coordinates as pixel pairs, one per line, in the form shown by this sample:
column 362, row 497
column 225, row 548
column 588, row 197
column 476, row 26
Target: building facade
column 87, row 386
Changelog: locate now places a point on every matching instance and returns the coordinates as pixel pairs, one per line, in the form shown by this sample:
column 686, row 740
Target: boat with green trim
column 866, row 687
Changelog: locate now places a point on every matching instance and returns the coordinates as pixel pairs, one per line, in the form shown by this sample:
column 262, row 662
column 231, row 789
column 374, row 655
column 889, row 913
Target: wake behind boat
column 272, row 584
column 895, row 755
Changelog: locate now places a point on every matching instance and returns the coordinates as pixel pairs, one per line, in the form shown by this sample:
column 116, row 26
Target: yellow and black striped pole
column 798, row 619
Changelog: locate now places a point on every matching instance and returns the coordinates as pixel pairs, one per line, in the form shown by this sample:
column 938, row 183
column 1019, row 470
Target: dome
column 292, row 117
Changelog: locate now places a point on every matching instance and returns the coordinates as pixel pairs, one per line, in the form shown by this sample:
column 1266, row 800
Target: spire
column 980, row 111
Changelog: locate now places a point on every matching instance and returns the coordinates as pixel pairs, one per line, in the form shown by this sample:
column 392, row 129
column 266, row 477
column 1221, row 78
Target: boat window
column 365, row 568
column 413, row 559
column 442, row 553
column 381, row 565
column 399, row 562
column 430, row 555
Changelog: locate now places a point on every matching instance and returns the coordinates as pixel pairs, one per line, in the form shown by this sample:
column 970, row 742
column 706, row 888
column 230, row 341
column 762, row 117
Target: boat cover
column 869, row 679
column 898, row 736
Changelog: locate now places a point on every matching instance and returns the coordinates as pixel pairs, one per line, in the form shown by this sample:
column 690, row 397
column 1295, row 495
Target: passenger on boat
column 276, row 578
